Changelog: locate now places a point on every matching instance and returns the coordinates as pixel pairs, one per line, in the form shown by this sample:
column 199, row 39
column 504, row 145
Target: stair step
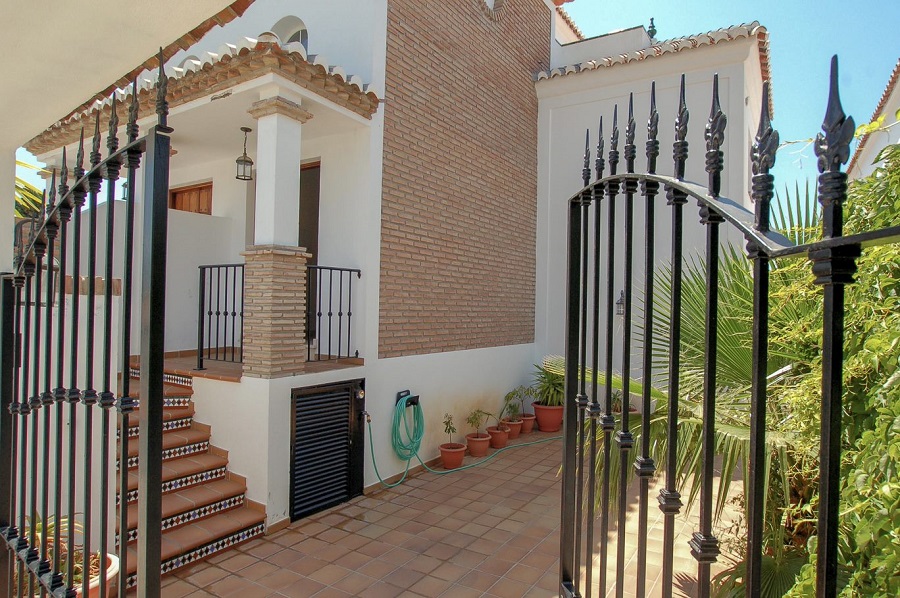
column 168, row 377
column 190, row 543
column 178, row 420
column 185, row 472
column 193, row 504
column 176, row 444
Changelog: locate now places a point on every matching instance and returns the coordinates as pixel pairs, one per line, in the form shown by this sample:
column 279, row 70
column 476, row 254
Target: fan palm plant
column 29, row 198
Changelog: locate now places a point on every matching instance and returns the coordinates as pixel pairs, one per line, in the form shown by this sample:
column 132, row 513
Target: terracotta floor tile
column 281, row 578
column 354, row 583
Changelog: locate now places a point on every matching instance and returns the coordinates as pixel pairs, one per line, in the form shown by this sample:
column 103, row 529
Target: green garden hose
column 408, row 447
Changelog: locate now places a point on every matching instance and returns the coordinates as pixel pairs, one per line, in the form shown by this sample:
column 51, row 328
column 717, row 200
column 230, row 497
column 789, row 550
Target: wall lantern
column 620, row 304
column 244, row 163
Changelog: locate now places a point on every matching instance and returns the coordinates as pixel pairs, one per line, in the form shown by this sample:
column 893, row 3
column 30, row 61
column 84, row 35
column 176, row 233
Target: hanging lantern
column 244, row 163
column 620, row 304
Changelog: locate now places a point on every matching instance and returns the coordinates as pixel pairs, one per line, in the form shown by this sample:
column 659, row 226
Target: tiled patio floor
column 489, row 531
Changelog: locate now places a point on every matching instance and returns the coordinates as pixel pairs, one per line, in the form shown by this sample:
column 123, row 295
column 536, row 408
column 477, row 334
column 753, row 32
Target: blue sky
column 803, row 35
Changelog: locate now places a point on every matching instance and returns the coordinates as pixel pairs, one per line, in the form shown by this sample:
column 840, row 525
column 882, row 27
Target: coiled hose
column 406, row 440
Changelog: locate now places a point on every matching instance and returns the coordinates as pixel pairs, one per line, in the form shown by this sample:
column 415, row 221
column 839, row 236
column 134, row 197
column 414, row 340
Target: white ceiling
column 59, row 54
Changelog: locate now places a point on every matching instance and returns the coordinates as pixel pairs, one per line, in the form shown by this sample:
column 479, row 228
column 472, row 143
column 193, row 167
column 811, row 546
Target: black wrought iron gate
column 58, row 338
column 833, row 259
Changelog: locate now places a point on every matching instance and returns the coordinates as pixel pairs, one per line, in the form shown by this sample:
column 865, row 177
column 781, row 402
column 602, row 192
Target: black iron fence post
column 7, row 373
column 201, row 312
column 153, row 311
column 834, row 269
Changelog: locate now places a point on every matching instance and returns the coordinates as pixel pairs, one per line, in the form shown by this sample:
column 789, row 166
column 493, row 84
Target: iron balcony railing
column 58, row 369
column 586, row 417
column 329, row 312
column 220, row 318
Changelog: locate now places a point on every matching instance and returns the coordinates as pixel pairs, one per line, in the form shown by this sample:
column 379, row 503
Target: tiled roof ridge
column 567, row 18
column 220, row 71
column 882, row 104
column 671, row 46
column 221, row 18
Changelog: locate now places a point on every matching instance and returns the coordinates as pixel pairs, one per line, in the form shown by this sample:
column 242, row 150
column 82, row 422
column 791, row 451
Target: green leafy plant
column 449, row 427
column 511, row 411
column 521, row 395
column 476, row 420
column 550, row 385
column 29, row 198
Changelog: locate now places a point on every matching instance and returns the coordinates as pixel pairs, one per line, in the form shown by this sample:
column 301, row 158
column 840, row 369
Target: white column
column 278, row 124
column 7, row 216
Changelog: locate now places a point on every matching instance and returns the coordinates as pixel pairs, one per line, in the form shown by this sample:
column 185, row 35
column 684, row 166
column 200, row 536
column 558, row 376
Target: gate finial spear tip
column 681, row 101
column 765, row 119
column 630, row 106
column 716, row 106
column 652, row 96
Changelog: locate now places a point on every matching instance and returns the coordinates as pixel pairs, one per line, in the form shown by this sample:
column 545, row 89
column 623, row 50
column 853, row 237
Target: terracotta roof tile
column 746, row 31
column 218, row 72
column 882, row 104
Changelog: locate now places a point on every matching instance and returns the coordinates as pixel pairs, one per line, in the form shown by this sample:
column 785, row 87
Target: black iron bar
column 31, row 330
column 126, row 401
column 200, row 316
column 704, row 545
column 51, row 228
column 624, row 437
column 349, row 311
column 218, row 308
column 8, row 411
column 24, row 410
column 12, row 359
column 309, row 302
column 644, row 465
column 594, row 408
column 319, row 315
column 209, row 314
column 341, row 313
column 153, row 316
column 669, row 497
column 39, row 448
column 234, row 311
column 107, row 397
column 762, row 159
column 581, row 398
column 330, row 311
column 568, row 581
column 90, row 395
column 607, row 421
column 64, row 212
column 834, row 269
column 73, row 394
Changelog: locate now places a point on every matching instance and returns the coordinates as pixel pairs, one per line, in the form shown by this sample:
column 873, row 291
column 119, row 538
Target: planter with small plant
column 550, row 390
column 477, row 441
column 499, row 433
column 75, row 560
column 452, row 453
column 511, row 418
column 522, row 396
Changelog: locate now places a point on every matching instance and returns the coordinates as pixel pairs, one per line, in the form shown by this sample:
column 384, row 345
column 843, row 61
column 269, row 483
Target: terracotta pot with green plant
column 452, row 453
column 477, row 441
column 77, row 558
column 550, row 390
column 512, row 420
column 522, row 396
column 499, row 433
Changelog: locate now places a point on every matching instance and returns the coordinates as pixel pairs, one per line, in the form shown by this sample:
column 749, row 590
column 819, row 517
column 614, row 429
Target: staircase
column 204, row 510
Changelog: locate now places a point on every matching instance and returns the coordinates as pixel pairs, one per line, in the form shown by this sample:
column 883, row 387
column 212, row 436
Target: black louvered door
column 326, row 446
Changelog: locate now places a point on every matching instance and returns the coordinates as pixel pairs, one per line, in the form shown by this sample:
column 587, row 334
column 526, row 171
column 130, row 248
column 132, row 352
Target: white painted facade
column 866, row 155
column 251, row 420
column 572, row 103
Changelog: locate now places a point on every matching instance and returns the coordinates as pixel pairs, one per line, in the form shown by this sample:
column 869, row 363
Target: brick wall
column 274, row 311
column 460, row 174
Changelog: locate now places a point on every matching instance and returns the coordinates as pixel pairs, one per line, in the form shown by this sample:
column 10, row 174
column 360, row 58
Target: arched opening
column 291, row 29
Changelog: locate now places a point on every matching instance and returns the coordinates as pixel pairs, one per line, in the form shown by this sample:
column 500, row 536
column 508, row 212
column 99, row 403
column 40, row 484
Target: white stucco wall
column 573, row 103
column 865, row 160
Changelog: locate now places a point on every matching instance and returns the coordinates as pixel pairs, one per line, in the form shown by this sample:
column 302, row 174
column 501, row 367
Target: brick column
column 274, row 311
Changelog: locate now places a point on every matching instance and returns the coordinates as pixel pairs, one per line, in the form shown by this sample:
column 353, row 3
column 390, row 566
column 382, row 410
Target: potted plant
column 499, row 433
column 617, row 403
column 452, row 453
column 521, row 395
column 550, row 390
column 512, row 420
column 77, row 559
column 477, row 441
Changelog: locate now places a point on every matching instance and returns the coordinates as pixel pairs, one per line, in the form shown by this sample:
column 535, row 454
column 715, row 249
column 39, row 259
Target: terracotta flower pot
column 478, row 444
column 515, row 428
column 549, row 419
column 527, row 423
column 112, row 576
column 499, row 438
column 452, row 454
